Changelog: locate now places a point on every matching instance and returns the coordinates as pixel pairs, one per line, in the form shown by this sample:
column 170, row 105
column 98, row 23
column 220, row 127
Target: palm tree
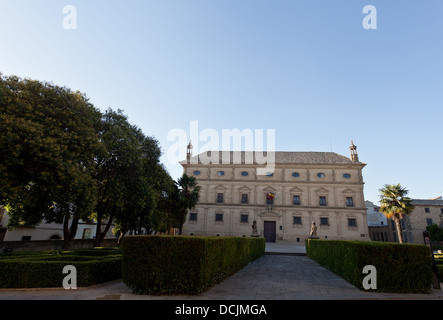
column 188, row 196
column 395, row 205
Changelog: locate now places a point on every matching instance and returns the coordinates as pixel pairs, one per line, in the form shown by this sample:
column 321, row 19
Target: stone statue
column 254, row 227
column 313, row 229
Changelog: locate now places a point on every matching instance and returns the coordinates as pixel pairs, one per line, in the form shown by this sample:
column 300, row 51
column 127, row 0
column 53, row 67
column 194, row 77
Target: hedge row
column 439, row 263
column 184, row 264
column 45, row 269
column 402, row 268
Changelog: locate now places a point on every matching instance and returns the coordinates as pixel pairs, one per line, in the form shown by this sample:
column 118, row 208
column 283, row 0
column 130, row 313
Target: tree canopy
column 187, row 198
column 395, row 204
column 64, row 161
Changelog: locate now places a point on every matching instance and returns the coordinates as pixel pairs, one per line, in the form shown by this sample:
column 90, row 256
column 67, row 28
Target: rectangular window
column 324, row 221
column 352, row 222
column 192, row 217
column 297, row 220
column 427, row 210
column 244, row 218
column 349, row 202
column 219, row 217
column 322, row 200
column 296, row 200
column 219, row 197
column 244, row 198
column 429, row 222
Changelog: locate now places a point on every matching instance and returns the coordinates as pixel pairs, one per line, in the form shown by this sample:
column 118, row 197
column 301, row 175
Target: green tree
column 435, row 232
column 188, row 197
column 167, row 199
column 152, row 204
column 127, row 177
column 48, row 142
column 395, row 204
column 114, row 164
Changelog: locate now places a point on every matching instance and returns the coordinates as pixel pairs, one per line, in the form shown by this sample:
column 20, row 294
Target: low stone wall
column 45, row 245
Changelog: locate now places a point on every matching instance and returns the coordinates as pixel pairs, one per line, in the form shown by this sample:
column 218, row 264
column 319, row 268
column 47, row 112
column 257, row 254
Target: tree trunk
column 69, row 232
column 66, row 235
column 103, row 234
column 182, row 222
column 120, row 237
column 98, row 230
column 399, row 231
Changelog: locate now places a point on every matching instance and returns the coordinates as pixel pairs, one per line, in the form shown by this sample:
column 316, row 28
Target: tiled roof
column 427, row 202
column 281, row 157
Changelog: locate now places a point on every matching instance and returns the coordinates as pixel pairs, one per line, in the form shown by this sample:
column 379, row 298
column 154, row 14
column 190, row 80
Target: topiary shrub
column 402, row 268
column 184, row 264
column 45, row 269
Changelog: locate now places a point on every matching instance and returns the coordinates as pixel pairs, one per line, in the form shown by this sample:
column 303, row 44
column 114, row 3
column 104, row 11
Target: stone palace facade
column 280, row 205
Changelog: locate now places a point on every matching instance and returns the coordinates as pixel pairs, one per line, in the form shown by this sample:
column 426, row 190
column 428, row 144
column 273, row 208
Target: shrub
column 184, row 264
column 45, row 269
column 404, row 268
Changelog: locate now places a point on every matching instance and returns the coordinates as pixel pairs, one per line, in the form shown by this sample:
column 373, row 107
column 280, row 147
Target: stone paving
column 284, row 273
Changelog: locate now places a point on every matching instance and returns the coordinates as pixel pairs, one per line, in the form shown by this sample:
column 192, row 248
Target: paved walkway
column 286, row 276
column 285, row 248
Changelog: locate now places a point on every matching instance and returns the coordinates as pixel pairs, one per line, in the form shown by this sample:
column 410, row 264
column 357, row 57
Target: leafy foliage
column 403, row 268
column 184, row 264
column 188, row 196
column 394, row 204
column 64, row 161
column 435, row 232
column 45, row 269
column 48, row 144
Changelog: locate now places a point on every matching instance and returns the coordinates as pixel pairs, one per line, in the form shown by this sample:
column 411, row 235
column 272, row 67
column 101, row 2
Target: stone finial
column 189, row 151
column 354, row 155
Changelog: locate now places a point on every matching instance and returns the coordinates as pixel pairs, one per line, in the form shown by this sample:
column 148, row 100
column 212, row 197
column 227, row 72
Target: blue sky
column 307, row 69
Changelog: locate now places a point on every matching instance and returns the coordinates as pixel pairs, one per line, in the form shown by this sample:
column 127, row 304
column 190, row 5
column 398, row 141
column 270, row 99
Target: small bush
column 45, row 269
column 184, row 264
column 401, row 268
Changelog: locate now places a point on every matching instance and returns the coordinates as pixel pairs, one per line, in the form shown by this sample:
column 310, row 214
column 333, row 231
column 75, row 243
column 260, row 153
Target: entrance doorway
column 269, row 231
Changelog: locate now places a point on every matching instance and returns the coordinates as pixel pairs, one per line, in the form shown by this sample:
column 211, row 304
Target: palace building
column 281, row 205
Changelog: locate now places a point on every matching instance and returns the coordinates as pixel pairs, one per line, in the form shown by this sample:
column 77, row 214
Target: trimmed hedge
column 45, row 269
column 439, row 263
column 440, row 272
column 402, row 268
column 184, row 264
